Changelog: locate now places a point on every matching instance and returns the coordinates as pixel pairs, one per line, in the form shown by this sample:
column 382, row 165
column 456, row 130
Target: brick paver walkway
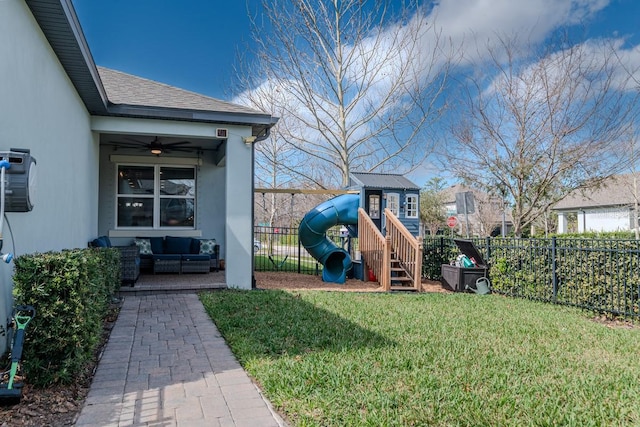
column 167, row 365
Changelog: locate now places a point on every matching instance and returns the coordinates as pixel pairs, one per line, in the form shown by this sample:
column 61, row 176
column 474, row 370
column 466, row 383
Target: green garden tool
column 11, row 392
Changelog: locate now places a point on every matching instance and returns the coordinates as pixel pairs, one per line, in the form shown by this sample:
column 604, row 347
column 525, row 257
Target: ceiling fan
column 155, row 146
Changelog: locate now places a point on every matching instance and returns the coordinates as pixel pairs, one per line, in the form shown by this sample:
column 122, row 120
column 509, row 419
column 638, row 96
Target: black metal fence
column 596, row 274
column 279, row 249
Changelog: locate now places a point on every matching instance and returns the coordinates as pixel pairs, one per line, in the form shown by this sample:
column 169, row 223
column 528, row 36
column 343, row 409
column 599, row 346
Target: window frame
column 411, row 206
column 394, row 197
column 377, row 198
column 157, row 197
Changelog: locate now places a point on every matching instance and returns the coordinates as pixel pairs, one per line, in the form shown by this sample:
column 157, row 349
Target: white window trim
column 156, row 196
column 392, row 196
column 408, row 203
column 377, row 197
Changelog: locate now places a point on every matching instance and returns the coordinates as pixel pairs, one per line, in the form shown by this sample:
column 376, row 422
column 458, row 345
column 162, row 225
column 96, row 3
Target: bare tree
column 488, row 214
column 275, row 162
column 359, row 82
column 543, row 126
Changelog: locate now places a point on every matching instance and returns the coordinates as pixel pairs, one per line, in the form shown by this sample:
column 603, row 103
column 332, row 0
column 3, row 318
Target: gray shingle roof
column 123, row 88
column 111, row 93
column 383, row 180
column 616, row 191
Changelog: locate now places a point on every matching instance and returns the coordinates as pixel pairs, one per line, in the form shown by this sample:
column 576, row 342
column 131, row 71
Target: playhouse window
column 393, row 203
column 155, row 196
column 412, row 206
column 374, row 206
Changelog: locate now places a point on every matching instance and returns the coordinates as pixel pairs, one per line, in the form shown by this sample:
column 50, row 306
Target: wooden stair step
column 403, row 288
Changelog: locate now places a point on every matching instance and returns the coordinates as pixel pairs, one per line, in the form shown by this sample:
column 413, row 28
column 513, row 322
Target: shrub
column 71, row 292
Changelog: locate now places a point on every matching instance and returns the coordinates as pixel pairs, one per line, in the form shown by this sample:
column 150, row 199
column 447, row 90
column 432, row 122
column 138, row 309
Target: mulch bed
column 59, row 405
column 294, row 281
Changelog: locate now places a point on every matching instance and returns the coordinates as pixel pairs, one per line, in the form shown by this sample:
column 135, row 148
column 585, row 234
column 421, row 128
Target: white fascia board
column 135, row 126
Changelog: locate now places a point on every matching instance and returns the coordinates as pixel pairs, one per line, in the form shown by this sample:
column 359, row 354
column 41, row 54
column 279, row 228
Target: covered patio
column 148, row 284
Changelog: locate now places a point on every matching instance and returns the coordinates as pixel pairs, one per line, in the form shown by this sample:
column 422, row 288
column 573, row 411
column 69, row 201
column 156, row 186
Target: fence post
column 488, row 249
column 299, row 253
column 554, row 275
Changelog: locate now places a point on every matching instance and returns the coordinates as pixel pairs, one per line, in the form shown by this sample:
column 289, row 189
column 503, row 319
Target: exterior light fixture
column 249, row 139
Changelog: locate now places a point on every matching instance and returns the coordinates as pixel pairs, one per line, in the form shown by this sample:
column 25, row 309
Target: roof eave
column 60, row 25
column 259, row 122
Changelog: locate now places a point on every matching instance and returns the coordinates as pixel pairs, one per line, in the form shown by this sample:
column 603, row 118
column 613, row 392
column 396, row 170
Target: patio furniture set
column 164, row 255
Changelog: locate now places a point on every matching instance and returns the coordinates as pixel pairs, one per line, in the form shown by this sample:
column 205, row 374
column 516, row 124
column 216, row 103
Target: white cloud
column 482, row 19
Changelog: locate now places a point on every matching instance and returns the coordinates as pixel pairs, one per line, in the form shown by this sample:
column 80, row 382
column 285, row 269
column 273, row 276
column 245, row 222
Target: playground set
column 382, row 212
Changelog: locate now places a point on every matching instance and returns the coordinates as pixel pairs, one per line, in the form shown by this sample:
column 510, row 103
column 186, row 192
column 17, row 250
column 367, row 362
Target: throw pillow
column 157, row 245
column 207, row 246
column 144, row 245
column 177, row 245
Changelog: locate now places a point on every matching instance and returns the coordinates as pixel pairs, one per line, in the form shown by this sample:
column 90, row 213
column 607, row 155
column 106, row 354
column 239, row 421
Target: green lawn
column 288, row 263
column 349, row 359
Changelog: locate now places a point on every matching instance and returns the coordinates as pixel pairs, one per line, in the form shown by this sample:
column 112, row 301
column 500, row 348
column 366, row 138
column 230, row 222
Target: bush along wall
column 71, row 292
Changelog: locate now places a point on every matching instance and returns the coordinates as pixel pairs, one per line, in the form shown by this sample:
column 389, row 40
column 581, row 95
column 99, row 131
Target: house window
column 374, row 206
column 412, row 206
column 393, row 203
column 156, row 196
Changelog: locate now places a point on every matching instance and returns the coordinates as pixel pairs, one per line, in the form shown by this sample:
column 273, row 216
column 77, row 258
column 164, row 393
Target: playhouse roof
column 382, row 180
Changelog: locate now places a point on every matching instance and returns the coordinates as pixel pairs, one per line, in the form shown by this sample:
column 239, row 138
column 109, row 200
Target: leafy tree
column 432, row 209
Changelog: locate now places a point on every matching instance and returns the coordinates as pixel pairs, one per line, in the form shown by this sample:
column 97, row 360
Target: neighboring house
column 92, row 132
column 484, row 214
column 609, row 207
column 384, row 190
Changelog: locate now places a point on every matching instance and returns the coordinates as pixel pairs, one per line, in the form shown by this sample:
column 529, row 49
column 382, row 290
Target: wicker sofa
column 129, row 259
column 178, row 254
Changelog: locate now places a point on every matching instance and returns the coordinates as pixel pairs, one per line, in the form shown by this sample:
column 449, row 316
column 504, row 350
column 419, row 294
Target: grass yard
column 280, row 263
column 350, row 359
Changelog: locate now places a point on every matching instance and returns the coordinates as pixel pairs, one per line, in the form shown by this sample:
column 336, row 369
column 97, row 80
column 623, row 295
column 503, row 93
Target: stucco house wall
column 57, row 103
column 41, row 111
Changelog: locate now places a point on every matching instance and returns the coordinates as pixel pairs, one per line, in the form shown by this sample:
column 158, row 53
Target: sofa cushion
column 177, row 245
column 207, row 246
column 195, row 246
column 144, row 245
column 157, row 244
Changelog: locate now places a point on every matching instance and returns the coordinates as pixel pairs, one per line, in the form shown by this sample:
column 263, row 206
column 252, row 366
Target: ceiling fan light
column 156, row 151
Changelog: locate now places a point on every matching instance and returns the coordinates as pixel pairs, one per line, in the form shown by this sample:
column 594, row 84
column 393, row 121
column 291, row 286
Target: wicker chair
column 129, row 264
column 129, row 259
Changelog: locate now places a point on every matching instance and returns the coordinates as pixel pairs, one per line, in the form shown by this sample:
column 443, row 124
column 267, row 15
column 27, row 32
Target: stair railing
column 375, row 249
column 408, row 249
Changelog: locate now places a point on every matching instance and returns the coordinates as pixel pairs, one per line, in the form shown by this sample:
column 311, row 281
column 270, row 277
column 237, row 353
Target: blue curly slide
column 340, row 210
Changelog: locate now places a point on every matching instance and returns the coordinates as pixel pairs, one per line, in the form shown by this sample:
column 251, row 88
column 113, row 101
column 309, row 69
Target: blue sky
column 192, row 44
